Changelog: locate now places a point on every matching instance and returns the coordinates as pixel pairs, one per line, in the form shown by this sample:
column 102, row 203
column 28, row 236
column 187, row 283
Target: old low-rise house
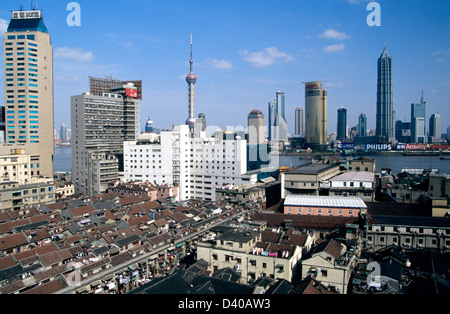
column 244, row 250
column 13, row 243
column 408, row 232
column 361, row 184
column 308, row 179
column 17, row 197
column 331, row 264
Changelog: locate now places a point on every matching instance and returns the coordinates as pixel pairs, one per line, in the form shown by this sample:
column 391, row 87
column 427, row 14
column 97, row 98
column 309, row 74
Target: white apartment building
column 197, row 164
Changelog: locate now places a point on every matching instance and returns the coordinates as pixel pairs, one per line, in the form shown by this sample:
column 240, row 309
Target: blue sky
column 247, row 50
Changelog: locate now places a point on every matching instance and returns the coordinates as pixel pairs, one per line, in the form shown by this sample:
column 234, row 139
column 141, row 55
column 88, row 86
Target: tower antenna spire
column 191, row 61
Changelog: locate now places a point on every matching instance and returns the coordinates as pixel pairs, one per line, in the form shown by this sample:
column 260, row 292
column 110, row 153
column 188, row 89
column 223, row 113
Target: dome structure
column 191, row 78
column 190, row 122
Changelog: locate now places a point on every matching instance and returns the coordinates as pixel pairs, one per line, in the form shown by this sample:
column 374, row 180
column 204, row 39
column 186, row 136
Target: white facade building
column 196, row 164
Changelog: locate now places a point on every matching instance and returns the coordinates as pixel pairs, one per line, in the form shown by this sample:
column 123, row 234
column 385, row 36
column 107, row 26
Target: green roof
column 23, row 25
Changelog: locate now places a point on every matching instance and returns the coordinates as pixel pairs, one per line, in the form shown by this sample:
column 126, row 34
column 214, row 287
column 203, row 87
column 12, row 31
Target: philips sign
column 376, row 147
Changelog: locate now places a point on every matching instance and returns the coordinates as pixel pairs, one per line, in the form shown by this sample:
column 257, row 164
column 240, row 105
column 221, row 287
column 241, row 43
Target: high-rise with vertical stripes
column 385, row 103
column 28, row 73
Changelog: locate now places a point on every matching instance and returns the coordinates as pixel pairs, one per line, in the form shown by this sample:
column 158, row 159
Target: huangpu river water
column 62, row 161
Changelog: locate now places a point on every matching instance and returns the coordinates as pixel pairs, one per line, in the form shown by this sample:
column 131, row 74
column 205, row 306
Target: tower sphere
column 191, row 78
column 190, row 122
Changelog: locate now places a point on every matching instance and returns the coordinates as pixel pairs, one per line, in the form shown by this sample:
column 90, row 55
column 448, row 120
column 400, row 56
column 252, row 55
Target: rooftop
column 355, row 176
column 324, row 201
column 23, row 25
column 437, row 222
column 312, row 168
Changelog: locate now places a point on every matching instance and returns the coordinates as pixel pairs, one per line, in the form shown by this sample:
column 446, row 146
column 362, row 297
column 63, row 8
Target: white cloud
column 442, row 55
column 265, row 57
column 221, row 64
column 334, row 48
column 73, row 54
column 3, row 27
column 335, row 84
column 334, row 34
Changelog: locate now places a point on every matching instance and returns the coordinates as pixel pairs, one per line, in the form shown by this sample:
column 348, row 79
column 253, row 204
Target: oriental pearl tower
column 191, row 79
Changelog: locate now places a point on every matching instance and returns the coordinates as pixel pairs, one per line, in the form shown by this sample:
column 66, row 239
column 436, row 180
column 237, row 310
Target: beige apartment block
column 245, row 252
column 28, row 79
column 15, row 167
column 331, row 264
column 19, row 197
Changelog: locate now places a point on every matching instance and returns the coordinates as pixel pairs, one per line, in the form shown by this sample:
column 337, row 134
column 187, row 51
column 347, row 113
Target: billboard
column 131, row 93
column 20, row 15
column 439, row 146
column 416, row 147
column 376, row 146
column 313, row 85
column 345, row 146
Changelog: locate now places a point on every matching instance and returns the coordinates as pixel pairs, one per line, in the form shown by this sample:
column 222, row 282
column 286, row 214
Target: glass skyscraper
column 435, row 128
column 385, row 104
column 299, row 122
column 418, row 122
column 362, row 125
column 278, row 128
column 342, row 124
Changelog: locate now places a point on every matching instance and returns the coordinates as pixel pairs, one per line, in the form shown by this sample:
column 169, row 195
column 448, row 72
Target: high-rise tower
column 299, row 122
column 100, row 126
column 278, row 128
column 435, row 128
column 385, row 104
column 362, row 125
column 28, row 57
column 316, row 115
column 342, row 124
column 418, row 122
column 191, row 79
column 256, row 127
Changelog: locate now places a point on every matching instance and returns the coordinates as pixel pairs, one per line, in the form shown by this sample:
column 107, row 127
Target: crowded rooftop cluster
column 57, row 246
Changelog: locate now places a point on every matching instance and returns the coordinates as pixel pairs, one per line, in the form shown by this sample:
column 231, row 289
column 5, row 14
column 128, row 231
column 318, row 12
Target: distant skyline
column 246, row 51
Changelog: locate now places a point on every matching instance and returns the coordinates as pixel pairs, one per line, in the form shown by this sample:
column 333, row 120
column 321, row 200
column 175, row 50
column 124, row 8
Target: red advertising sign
column 313, row 86
column 131, row 93
column 416, row 146
column 439, row 146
